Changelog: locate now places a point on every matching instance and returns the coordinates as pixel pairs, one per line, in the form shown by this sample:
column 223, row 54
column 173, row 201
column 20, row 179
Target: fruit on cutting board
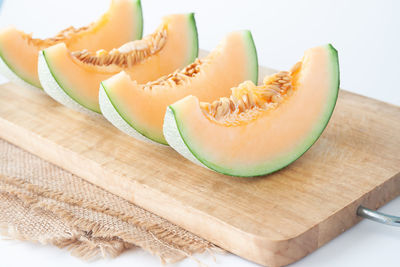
column 73, row 78
column 138, row 109
column 258, row 129
column 19, row 51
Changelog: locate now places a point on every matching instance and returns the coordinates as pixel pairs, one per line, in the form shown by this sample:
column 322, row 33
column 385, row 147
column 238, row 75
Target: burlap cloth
column 43, row 203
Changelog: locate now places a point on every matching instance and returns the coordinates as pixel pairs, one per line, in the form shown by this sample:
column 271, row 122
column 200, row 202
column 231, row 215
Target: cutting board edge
column 310, row 240
column 255, row 248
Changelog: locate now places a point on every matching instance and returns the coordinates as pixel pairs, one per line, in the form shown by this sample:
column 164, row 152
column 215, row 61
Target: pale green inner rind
column 193, row 53
column 284, row 160
column 194, row 37
column 122, row 115
column 63, row 87
column 252, row 75
column 17, row 73
column 252, row 56
column 185, row 139
column 138, row 14
column 71, row 93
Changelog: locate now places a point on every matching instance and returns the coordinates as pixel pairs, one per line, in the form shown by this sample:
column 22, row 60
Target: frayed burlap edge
column 85, row 224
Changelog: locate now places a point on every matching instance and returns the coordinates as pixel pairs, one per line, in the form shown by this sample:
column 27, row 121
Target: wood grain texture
column 273, row 220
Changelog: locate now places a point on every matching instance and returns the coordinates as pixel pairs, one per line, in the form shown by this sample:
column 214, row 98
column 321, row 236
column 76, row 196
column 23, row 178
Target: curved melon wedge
column 73, row 78
column 260, row 129
column 138, row 109
column 19, row 51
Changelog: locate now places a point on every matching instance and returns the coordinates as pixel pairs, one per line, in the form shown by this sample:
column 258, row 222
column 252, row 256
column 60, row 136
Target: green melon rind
column 111, row 114
column 52, row 85
column 110, row 110
column 135, row 131
column 195, row 39
column 252, row 55
column 8, row 72
column 137, row 4
column 53, row 88
column 175, row 139
column 174, row 133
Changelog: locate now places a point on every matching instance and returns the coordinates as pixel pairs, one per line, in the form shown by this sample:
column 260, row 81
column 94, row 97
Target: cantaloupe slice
column 138, row 109
column 19, row 51
column 73, row 78
column 259, row 129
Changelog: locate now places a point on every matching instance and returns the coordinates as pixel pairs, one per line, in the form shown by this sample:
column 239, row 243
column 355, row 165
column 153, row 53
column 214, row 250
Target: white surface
column 366, row 33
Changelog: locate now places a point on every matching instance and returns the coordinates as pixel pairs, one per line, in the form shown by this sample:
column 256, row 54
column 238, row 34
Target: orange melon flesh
column 275, row 138
column 19, row 54
column 141, row 111
column 80, row 81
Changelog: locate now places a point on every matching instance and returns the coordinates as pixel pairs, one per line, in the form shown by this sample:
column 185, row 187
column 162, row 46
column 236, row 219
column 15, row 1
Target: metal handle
column 378, row 216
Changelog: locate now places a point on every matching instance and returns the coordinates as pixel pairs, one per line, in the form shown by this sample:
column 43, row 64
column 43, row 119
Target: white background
column 366, row 34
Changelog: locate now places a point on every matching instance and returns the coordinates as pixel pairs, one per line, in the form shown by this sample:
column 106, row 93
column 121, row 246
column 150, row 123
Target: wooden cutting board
column 273, row 220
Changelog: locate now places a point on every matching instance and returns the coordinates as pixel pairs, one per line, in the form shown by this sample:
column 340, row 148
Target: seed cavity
column 127, row 55
column 62, row 36
column 248, row 101
column 179, row 77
